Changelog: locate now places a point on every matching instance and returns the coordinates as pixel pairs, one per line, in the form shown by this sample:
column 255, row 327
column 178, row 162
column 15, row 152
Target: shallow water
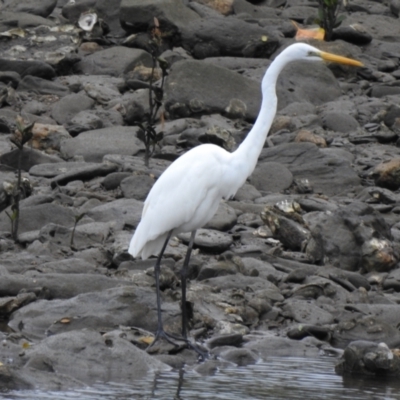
column 278, row 378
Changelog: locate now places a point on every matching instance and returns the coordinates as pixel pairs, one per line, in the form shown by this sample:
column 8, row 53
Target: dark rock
column 225, row 340
column 387, row 174
column 85, row 173
column 368, row 358
column 30, row 158
column 241, row 357
column 173, row 15
column 353, row 34
column 215, row 37
column 24, row 68
column 113, row 180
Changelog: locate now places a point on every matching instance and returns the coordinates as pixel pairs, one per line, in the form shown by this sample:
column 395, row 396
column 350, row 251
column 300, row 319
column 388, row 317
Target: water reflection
column 278, row 378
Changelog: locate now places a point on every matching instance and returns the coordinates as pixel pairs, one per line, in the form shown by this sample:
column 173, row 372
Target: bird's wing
column 178, row 195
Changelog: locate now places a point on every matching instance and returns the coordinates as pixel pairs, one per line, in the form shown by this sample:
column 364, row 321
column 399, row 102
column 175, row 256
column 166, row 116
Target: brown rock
column 387, row 174
column 307, row 136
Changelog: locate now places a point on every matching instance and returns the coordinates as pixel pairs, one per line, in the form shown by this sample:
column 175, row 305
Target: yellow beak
column 339, row 59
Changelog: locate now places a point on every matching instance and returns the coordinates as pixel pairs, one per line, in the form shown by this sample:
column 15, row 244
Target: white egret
column 187, row 194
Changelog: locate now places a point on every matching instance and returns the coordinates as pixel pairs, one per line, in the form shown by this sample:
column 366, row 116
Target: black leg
column 160, row 329
column 184, row 275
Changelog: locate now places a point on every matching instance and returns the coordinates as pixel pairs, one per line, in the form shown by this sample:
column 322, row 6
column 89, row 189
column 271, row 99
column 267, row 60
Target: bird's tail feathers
column 145, row 249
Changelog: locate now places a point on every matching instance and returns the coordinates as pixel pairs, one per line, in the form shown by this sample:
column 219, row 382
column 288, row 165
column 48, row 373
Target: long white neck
column 248, row 152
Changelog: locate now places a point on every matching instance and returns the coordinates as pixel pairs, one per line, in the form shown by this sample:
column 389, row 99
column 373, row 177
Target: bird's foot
column 172, row 339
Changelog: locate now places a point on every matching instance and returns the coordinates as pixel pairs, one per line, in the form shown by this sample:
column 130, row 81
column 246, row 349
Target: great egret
column 187, row 194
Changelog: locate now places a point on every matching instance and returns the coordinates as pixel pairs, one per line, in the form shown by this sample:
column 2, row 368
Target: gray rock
column 89, row 357
column 136, row 186
column 34, row 217
column 94, row 145
column 224, row 219
column 328, row 173
column 214, row 88
column 87, row 172
column 340, row 122
column 41, row 8
column 56, row 285
column 125, row 211
column 69, row 106
column 42, row 86
column 50, row 170
column 84, row 121
column 300, row 83
column 114, row 61
column 126, row 306
column 113, row 180
column 281, row 347
column 271, row 177
column 209, row 240
column 308, row 313
column 369, row 359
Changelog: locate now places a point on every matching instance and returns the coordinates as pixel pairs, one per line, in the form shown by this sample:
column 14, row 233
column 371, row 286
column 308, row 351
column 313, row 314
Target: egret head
column 303, row 51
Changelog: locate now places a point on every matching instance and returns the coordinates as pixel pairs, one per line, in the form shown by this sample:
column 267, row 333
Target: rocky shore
column 302, row 262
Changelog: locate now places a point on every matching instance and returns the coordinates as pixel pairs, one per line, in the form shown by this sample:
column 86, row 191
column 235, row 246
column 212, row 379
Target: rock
column 41, row 8
column 215, row 37
column 224, row 219
column 125, row 211
column 48, row 137
column 113, row 180
column 87, row 356
column 114, row 61
column 42, row 86
column 34, row 217
column 357, row 223
column 87, row 172
column 356, row 34
column 69, row 106
column 189, row 77
column 368, row 358
column 328, row 173
column 209, row 240
column 126, row 305
column 387, row 174
column 307, row 136
column 300, row 83
column 240, row 357
column 340, row 122
column 55, row 285
column 94, row 145
column 271, row 177
column 271, row 346
column 35, row 68
column 172, row 15
column 30, row 158
column 136, row 186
